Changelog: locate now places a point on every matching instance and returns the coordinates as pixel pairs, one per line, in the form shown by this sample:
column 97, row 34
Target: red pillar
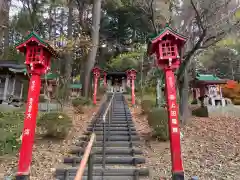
column 95, row 90
column 133, row 92
column 105, row 80
column 174, row 131
column 25, row 156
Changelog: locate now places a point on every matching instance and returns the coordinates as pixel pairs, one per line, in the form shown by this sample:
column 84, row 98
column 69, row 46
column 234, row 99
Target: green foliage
column 54, row 125
column 81, row 101
column 11, row 124
column 158, row 120
column 147, row 105
column 201, row 112
column 42, row 99
column 125, row 61
column 78, row 104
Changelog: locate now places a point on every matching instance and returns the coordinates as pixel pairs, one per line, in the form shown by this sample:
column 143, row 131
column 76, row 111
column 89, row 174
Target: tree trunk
column 6, row 32
column 96, row 13
column 183, row 107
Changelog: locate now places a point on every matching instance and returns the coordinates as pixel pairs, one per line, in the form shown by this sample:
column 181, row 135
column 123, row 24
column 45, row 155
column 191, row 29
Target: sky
column 15, row 7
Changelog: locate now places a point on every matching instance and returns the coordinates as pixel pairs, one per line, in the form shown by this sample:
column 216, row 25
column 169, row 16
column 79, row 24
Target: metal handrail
column 109, row 105
column 85, row 159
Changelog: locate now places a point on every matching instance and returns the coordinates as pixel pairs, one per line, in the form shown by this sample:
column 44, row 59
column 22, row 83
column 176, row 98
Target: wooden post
column 5, row 88
column 14, row 83
column 21, row 93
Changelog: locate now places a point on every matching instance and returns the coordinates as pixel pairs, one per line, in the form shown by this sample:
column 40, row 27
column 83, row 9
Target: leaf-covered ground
column 211, row 148
column 47, row 154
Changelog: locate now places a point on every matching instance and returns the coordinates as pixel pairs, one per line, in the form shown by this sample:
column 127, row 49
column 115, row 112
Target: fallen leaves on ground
column 47, row 154
column 210, row 146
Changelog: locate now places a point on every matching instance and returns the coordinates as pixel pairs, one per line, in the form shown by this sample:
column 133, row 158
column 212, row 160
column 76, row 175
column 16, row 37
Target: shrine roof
column 75, row 86
column 207, row 77
column 40, row 40
column 11, row 64
column 50, row 76
column 154, row 37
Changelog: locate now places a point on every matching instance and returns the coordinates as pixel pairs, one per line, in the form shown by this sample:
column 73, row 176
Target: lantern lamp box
column 38, row 53
column 166, row 45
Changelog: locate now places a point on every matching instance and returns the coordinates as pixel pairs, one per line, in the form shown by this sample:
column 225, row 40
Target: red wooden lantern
column 96, row 72
column 167, row 47
column 38, row 54
column 105, row 79
column 131, row 74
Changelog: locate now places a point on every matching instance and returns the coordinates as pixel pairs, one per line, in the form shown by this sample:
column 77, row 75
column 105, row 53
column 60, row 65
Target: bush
column 81, row 101
column 236, row 101
column 42, row 99
column 54, row 125
column 200, row 112
column 158, row 120
column 78, row 104
column 11, row 124
column 147, row 105
column 101, row 91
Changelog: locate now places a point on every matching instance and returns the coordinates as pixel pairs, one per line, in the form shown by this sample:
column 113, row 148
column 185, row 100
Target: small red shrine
column 207, row 85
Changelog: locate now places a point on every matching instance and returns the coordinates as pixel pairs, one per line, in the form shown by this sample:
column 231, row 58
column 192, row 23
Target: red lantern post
column 38, row 54
column 105, row 79
column 167, row 47
column 96, row 73
column 132, row 76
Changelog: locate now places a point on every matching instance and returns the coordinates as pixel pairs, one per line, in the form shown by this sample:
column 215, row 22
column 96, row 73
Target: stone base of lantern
column 22, row 177
column 178, row 176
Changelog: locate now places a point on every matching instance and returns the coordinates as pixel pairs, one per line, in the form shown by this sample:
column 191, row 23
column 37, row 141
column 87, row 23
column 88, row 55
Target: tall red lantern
column 38, row 54
column 96, row 72
column 131, row 75
column 105, row 79
column 167, row 48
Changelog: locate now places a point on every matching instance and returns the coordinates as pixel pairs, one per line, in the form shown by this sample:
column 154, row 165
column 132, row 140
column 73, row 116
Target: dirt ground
column 210, row 146
column 47, row 154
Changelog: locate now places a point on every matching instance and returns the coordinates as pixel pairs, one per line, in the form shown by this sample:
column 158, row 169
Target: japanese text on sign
column 33, row 85
column 29, row 115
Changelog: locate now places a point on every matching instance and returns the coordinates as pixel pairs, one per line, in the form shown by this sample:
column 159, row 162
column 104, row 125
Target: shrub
column 194, row 101
column 147, row 105
column 158, row 120
column 42, row 99
column 236, row 101
column 200, row 112
column 54, row 124
column 101, row 91
column 11, row 124
column 78, row 104
column 81, row 101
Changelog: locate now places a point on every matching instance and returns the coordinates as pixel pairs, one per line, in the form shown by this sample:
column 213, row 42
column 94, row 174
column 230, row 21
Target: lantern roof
column 96, row 68
column 132, row 70
column 154, row 39
column 32, row 36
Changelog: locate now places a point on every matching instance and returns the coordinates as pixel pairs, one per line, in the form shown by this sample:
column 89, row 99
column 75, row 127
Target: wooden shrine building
column 116, row 81
column 12, row 75
column 206, row 88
